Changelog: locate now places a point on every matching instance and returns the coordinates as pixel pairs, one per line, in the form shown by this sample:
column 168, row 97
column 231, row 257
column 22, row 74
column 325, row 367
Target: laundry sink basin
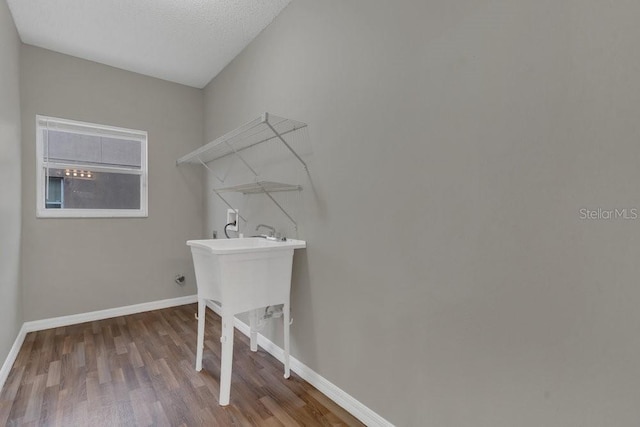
column 241, row 275
column 244, row 274
column 250, row 244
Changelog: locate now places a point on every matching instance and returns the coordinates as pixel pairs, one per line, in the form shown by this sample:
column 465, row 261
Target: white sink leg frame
column 226, row 359
column 253, row 328
column 286, row 315
column 226, row 339
column 202, row 306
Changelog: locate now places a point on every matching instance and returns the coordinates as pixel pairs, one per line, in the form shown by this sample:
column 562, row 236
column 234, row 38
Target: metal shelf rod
column 261, row 141
column 287, row 145
column 255, row 174
column 228, row 204
column 281, row 208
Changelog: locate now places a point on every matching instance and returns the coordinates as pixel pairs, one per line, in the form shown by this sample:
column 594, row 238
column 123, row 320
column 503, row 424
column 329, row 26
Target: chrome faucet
column 272, row 230
column 273, row 235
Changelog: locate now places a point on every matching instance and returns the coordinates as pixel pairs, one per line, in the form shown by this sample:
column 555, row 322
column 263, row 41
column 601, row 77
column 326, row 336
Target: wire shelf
column 264, row 128
column 260, row 187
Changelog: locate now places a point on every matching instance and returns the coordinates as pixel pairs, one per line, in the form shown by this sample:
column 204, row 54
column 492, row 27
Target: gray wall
column 449, row 279
column 79, row 265
column 10, row 201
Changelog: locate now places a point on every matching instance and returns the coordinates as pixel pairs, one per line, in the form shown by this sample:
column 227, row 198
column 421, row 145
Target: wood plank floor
column 138, row 370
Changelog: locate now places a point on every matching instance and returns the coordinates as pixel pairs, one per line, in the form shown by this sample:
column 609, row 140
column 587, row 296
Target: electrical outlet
column 232, row 216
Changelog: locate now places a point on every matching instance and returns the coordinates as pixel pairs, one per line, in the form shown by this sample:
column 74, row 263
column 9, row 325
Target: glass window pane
column 54, row 199
column 98, row 190
column 55, row 190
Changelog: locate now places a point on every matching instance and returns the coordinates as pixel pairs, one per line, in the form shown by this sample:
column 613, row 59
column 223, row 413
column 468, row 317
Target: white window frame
column 73, row 126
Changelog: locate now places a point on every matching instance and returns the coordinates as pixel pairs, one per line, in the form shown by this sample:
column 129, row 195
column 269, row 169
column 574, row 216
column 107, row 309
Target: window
column 90, row 170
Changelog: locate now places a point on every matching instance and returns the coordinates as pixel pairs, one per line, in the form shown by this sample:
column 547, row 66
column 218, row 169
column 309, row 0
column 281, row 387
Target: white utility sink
column 242, row 275
column 250, row 244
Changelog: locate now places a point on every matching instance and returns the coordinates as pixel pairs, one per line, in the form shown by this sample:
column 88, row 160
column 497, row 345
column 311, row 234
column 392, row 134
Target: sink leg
column 226, row 359
column 202, row 307
column 287, row 322
column 253, row 324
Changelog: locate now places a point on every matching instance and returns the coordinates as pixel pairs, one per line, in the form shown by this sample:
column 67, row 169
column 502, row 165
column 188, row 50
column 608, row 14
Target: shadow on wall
column 301, row 300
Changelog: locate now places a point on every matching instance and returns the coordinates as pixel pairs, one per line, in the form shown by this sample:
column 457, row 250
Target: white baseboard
column 74, row 319
column 57, row 322
column 11, row 357
column 333, row 392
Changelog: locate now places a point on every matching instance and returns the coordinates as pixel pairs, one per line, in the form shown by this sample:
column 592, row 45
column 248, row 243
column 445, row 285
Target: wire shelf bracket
column 265, row 128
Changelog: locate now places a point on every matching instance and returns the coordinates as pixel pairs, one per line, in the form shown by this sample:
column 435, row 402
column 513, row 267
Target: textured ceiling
column 184, row 41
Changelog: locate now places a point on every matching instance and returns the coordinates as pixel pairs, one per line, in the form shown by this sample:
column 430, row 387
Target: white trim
column 326, row 387
column 57, row 322
column 92, row 213
column 76, row 126
column 11, row 357
column 94, row 167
